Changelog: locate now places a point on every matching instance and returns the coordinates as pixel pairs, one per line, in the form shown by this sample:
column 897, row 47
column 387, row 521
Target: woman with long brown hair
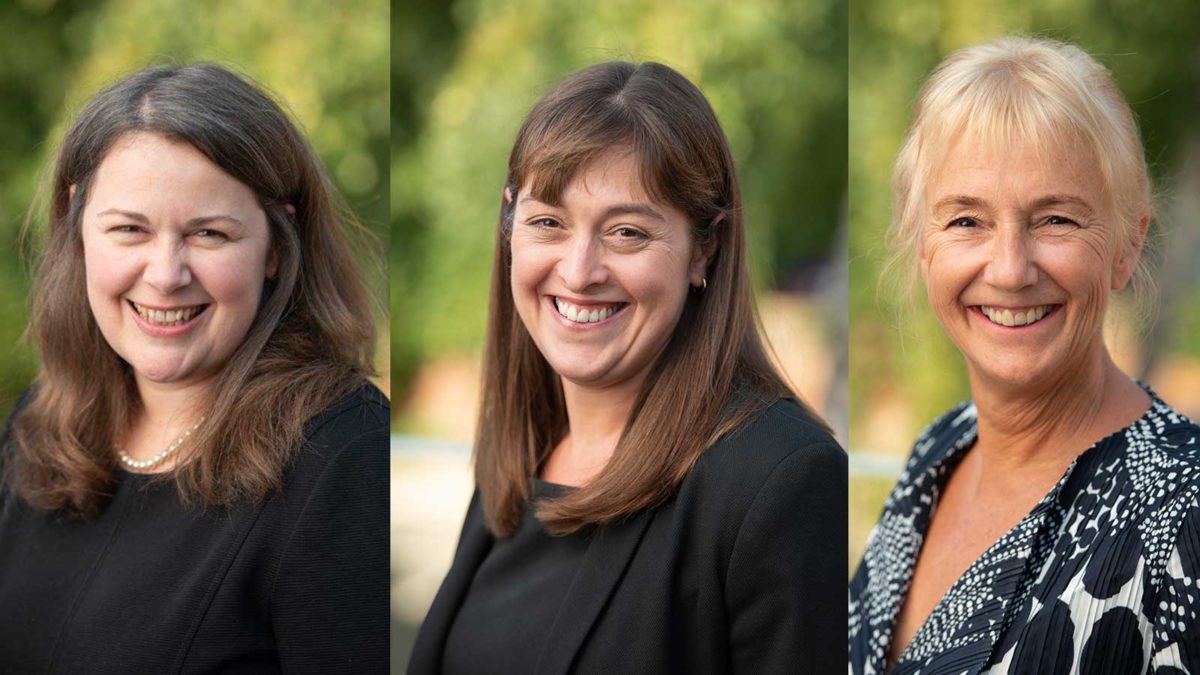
column 197, row 480
column 652, row 497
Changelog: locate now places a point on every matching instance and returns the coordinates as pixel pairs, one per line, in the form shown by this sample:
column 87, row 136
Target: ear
column 290, row 209
column 508, row 195
column 272, row 263
column 71, row 191
column 703, row 254
column 1126, row 261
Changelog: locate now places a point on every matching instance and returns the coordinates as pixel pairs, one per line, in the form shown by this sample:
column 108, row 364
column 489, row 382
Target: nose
column 166, row 269
column 1012, row 265
column 582, row 264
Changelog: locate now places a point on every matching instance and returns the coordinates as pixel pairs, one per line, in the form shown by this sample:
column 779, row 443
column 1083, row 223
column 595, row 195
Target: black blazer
column 742, row 571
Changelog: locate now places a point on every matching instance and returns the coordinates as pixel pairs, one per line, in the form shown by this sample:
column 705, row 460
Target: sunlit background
column 464, row 75
column 903, row 371
column 327, row 64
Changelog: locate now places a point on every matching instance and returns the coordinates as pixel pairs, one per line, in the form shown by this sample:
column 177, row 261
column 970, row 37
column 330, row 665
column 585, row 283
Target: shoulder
column 1164, row 439
column 783, row 449
column 784, row 432
column 952, row 430
column 352, row 432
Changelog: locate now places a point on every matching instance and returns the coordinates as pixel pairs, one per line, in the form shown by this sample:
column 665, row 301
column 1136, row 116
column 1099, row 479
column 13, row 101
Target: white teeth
column 1006, row 317
column 169, row 317
column 581, row 315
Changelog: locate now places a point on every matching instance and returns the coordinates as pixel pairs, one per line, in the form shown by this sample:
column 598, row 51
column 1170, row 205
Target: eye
column 543, row 222
column 1059, row 220
column 629, row 233
column 965, row 221
column 126, row 229
column 211, row 234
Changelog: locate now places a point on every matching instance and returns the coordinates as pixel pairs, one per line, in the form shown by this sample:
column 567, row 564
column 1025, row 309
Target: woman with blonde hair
column 1052, row 523
column 651, row 496
column 197, row 480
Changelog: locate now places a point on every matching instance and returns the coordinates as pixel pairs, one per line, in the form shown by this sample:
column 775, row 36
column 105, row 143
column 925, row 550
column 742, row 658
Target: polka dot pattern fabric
column 1101, row 577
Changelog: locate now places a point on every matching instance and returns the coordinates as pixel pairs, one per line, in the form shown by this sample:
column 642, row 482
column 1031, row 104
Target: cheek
column 233, row 281
column 108, row 275
column 945, row 272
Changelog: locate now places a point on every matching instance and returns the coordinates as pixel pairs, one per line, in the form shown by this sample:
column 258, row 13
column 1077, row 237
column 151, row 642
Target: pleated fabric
column 1101, row 577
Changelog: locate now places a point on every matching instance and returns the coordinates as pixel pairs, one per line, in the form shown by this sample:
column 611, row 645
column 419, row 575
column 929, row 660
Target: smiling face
column 176, row 252
column 600, row 279
column 1019, row 256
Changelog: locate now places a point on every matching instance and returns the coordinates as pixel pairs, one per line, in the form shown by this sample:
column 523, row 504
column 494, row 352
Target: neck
column 170, row 407
column 1022, row 428
column 596, row 418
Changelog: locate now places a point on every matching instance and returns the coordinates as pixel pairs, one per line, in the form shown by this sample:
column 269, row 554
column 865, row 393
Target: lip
column 573, row 325
column 976, row 312
column 155, row 330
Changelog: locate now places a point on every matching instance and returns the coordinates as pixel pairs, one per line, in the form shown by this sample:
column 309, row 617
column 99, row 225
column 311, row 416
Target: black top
column 1100, row 577
column 741, row 571
column 295, row 584
column 532, row 570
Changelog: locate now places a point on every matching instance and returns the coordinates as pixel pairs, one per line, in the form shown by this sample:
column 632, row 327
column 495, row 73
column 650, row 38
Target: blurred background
column 904, row 372
column 464, row 75
column 326, row 62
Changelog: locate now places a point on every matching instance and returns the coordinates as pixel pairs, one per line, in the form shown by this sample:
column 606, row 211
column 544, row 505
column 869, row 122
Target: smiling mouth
column 1011, row 319
column 168, row 317
column 587, row 313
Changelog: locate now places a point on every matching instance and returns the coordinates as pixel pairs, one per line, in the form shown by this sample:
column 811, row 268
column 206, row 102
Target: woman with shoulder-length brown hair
column 197, row 480
column 652, row 497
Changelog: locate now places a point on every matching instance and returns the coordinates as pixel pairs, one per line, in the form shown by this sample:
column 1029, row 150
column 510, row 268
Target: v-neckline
column 1023, row 531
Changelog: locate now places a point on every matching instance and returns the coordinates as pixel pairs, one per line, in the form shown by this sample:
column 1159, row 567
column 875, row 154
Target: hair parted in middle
column 714, row 373
column 1049, row 95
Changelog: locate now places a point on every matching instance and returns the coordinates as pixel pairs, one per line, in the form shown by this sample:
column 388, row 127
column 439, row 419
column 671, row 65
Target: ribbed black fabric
column 295, row 584
column 530, row 570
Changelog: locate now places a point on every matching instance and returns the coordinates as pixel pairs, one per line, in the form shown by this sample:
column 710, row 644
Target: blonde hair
column 1032, row 91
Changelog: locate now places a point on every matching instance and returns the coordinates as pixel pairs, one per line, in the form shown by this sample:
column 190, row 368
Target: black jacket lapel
column 603, row 566
column 473, row 547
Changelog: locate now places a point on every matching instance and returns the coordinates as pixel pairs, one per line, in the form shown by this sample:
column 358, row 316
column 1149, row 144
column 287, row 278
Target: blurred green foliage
column 465, row 73
column 327, row 62
column 899, row 353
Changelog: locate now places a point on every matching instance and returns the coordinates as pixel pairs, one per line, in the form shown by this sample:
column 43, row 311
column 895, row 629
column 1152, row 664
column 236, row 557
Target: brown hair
column 310, row 344
column 713, row 375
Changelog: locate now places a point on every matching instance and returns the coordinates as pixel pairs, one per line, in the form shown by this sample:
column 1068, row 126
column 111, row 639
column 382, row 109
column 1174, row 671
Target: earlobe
column 698, row 271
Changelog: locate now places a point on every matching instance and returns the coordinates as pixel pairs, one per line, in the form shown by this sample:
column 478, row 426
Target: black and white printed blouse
column 1102, row 576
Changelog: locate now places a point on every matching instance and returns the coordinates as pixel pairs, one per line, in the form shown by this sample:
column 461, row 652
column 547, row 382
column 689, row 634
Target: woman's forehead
column 971, row 161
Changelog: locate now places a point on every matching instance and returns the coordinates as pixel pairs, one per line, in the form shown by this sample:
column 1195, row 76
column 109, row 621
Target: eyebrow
column 958, row 200
column 1040, row 203
column 633, row 208
column 194, row 222
column 1056, row 200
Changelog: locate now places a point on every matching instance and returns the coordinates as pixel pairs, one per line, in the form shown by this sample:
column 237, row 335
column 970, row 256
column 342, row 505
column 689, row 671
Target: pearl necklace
column 147, row 463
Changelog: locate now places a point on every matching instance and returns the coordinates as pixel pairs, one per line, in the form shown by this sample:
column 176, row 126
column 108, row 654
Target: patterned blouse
column 1102, row 576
